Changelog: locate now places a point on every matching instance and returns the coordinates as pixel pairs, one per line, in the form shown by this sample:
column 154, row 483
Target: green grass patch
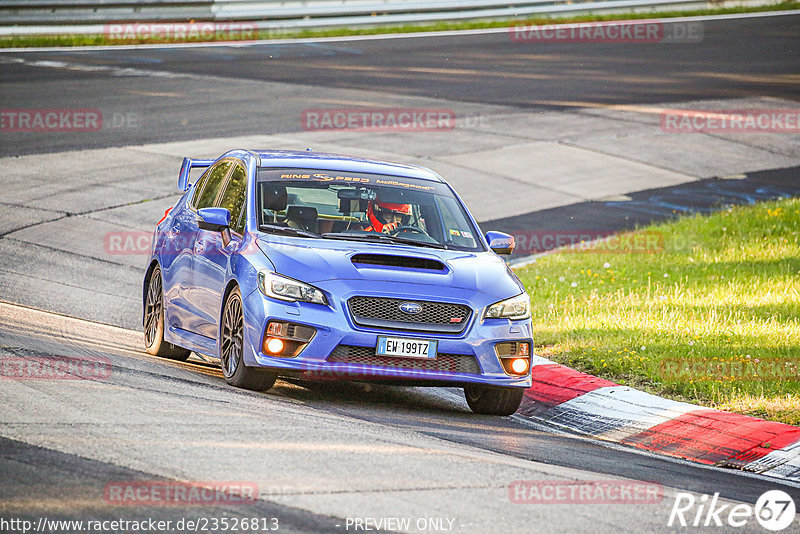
column 711, row 317
column 21, row 41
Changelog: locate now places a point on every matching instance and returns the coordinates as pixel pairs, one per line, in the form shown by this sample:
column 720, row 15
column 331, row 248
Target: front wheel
column 154, row 322
column 490, row 400
column 230, row 349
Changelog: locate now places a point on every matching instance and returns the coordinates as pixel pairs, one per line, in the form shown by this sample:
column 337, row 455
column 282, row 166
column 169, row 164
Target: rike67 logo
column 774, row 510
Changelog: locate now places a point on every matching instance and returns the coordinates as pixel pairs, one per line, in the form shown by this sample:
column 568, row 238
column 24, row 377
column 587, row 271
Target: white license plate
column 405, row 347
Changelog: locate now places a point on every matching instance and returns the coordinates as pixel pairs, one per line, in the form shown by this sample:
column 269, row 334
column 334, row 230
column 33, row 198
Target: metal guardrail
column 47, row 12
column 90, row 16
column 237, row 9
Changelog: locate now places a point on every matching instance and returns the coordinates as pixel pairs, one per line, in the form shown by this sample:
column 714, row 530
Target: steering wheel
column 414, row 229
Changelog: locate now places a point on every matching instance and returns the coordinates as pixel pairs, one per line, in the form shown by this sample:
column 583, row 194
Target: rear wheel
column 493, row 400
column 154, row 322
column 230, row 349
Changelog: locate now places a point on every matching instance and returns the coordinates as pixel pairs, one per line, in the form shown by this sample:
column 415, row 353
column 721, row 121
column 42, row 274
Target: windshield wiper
column 381, row 238
column 286, row 230
column 409, row 241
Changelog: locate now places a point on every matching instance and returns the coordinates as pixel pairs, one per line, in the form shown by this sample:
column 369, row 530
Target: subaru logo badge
column 411, row 308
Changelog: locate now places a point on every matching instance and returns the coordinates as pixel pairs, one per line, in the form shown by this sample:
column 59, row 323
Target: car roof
column 341, row 162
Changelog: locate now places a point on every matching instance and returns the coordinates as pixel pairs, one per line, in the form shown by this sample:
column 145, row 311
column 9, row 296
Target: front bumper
column 337, row 334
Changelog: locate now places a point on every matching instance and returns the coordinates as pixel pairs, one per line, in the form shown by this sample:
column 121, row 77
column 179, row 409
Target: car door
column 186, row 314
column 212, row 255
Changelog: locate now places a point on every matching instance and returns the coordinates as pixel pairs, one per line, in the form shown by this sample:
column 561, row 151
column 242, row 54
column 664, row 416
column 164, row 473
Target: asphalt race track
column 323, row 454
column 340, row 450
column 220, row 97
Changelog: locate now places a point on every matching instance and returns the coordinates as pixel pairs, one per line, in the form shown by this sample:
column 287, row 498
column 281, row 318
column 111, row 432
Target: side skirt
column 191, row 341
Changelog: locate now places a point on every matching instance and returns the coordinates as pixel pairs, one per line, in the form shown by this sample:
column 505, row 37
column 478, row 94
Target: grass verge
column 711, row 317
column 24, row 41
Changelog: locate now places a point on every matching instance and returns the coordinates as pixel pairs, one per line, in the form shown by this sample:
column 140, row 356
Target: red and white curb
column 590, row 405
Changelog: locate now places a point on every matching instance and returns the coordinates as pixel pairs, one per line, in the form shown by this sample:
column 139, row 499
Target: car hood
column 319, row 260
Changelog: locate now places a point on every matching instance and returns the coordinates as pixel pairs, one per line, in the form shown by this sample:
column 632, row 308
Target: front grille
column 381, row 312
column 453, row 363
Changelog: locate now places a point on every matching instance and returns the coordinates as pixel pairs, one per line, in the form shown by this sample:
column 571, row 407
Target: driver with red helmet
column 386, row 217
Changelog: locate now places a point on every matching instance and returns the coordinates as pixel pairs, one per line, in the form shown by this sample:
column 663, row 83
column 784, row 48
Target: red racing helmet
column 376, row 209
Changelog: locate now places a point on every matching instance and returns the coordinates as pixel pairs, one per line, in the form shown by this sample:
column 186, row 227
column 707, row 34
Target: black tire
column 493, row 400
column 154, row 322
column 231, row 339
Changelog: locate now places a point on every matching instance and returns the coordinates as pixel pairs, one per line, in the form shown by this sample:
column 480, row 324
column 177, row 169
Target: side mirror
column 500, row 243
column 214, row 219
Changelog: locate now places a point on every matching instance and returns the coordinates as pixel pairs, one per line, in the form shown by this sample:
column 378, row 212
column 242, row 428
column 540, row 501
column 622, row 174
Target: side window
column 212, row 181
column 198, row 188
column 235, row 196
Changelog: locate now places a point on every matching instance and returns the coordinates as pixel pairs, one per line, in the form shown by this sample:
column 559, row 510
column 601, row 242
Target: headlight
column 518, row 307
column 284, row 288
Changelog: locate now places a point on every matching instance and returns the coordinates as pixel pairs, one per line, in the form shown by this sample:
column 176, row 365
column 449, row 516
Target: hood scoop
column 405, row 262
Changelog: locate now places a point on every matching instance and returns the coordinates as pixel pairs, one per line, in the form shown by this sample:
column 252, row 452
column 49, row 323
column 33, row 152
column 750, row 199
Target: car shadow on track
column 363, row 395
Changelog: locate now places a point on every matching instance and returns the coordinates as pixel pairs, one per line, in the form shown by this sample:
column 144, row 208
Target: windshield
column 358, row 206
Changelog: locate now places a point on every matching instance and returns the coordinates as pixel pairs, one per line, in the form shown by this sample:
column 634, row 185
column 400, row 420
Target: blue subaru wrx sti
column 319, row 265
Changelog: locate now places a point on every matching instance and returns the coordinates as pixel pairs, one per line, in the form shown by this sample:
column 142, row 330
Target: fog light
column 274, row 345
column 515, row 356
column 286, row 340
column 520, row 366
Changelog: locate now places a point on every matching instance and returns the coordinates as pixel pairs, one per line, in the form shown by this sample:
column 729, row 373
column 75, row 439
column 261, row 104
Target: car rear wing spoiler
column 186, row 168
